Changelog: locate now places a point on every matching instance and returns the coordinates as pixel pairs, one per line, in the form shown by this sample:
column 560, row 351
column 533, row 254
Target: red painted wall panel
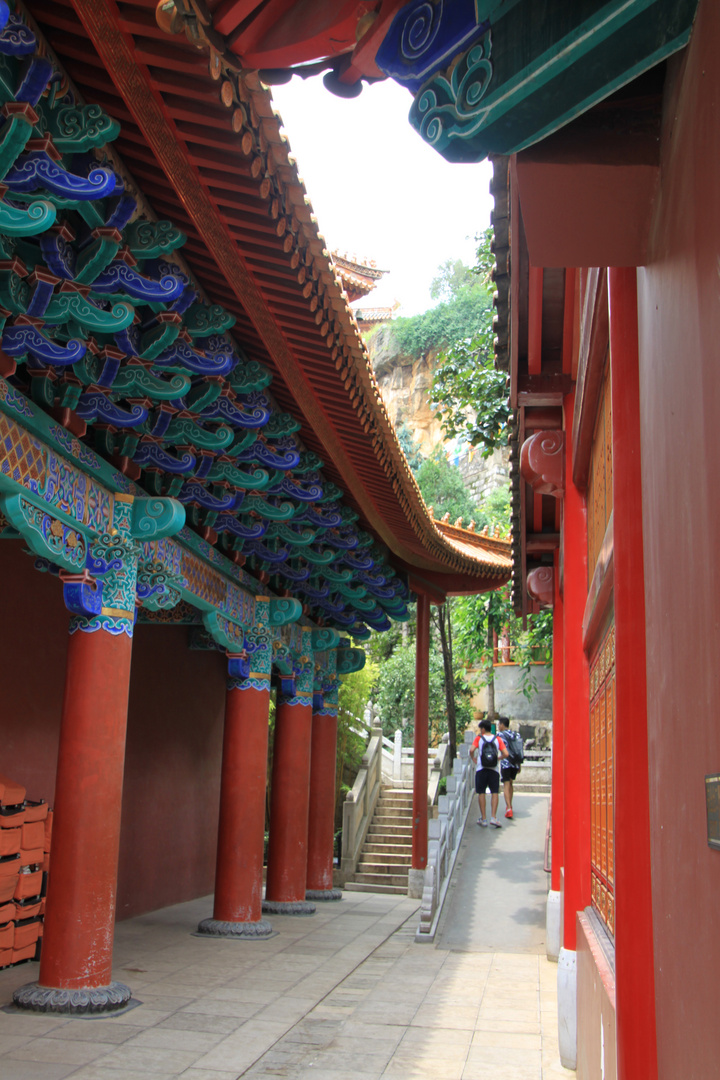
column 174, row 741
column 679, row 324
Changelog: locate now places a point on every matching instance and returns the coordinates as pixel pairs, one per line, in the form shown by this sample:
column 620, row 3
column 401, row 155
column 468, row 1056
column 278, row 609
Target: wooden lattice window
column 602, row 779
column 600, row 485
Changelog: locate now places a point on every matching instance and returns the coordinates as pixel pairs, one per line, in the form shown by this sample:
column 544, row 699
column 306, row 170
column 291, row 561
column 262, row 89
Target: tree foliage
column 395, row 695
column 460, row 317
column 442, row 487
column 470, row 395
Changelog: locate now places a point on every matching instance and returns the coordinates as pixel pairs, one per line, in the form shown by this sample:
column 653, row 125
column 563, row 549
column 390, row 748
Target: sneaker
column 495, row 823
column 508, row 813
column 482, row 821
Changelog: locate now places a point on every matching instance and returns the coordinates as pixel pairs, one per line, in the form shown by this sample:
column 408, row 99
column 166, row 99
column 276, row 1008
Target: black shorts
column 487, row 778
column 509, row 772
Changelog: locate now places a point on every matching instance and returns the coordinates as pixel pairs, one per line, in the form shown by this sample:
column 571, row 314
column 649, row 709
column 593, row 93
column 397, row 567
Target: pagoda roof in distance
column 357, row 276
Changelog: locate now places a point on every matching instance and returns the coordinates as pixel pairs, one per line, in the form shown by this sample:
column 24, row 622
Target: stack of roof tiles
column 25, row 830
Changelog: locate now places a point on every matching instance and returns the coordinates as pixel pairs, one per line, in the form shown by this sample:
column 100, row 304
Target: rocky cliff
column 405, row 382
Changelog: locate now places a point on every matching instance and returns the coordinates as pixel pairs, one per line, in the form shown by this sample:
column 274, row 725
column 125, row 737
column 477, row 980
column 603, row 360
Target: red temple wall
column 679, row 323
column 174, row 739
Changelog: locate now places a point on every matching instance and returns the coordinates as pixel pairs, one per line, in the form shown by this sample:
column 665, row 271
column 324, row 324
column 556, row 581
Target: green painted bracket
column 16, row 131
column 267, row 510
column 75, row 129
column 202, row 320
column 300, row 538
column 153, row 519
column 226, row 633
column 96, row 258
column 136, row 381
column 350, row 660
column 257, row 480
column 49, row 536
column 74, row 306
column 284, row 610
column 152, row 239
column 335, row 577
column 249, row 375
column 319, row 558
column 186, row 431
column 325, row 638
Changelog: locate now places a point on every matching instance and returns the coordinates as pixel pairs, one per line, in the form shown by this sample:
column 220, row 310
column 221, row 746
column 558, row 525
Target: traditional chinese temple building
column 202, row 500
column 604, row 120
column 358, row 278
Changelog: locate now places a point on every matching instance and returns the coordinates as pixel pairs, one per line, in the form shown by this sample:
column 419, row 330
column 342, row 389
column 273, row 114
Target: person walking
column 510, row 766
column 487, row 751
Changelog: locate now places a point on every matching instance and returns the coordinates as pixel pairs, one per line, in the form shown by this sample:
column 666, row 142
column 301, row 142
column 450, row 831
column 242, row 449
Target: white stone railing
column 398, row 760
column 444, row 835
column 359, row 805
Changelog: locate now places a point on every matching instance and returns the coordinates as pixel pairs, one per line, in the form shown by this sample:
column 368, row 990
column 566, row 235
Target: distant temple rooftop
column 358, row 277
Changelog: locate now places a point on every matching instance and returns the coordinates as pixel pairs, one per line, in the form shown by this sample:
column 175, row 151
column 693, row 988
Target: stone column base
column 82, row 1001
column 552, row 925
column 323, row 894
column 567, row 1007
column 220, row 928
column 288, row 907
column 416, row 884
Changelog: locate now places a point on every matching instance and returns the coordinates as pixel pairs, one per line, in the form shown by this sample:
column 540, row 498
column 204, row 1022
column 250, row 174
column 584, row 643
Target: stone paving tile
column 41, row 1070
column 61, row 1051
column 345, row 993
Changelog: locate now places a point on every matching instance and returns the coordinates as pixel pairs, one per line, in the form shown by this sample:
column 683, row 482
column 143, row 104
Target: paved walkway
column 346, row 993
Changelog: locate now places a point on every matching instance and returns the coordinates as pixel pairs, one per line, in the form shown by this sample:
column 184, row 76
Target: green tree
column 451, row 279
column 354, row 693
column 409, row 446
column 395, row 695
column 470, row 395
column 442, row 487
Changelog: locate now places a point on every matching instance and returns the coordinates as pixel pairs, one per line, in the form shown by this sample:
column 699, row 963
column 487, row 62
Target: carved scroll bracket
column 541, row 585
column 542, row 463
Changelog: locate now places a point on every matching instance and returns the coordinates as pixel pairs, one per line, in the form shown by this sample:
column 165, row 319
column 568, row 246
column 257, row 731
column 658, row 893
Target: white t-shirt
column 476, row 746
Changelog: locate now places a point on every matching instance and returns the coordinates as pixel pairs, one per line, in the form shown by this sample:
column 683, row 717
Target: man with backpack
column 510, row 766
column 487, row 751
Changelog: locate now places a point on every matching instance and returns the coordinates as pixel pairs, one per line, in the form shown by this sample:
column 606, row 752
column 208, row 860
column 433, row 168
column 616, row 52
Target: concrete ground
column 345, row 993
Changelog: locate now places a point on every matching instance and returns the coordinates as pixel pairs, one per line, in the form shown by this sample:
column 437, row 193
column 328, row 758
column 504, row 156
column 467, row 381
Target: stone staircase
column 385, row 860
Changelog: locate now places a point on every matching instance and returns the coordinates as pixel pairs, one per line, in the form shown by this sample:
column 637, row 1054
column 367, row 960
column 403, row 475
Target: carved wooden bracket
column 541, row 585
column 542, row 462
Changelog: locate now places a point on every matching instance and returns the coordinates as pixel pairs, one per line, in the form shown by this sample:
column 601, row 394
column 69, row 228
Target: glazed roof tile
column 227, row 178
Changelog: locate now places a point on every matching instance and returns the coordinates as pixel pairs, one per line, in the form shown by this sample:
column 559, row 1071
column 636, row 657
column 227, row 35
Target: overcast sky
column 378, row 191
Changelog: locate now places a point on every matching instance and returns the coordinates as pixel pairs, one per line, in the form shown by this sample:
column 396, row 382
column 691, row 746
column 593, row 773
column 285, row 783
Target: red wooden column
column 553, row 926
column 321, row 818
column 76, row 963
column 289, row 809
column 80, row 916
column 634, row 964
column 558, row 746
column 420, row 766
column 237, row 910
column 576, row 722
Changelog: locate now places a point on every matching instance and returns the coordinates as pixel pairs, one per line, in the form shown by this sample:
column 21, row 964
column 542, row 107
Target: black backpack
column 488, row 752
column 514, row 745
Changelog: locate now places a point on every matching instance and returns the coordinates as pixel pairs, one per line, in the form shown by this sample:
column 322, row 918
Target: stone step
column 532, row 789
column 382, row 879
column 378, row 848
column 400, row 804
column 361, row 886
column 377, row 831
column 371, row 862
column 385, row 812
